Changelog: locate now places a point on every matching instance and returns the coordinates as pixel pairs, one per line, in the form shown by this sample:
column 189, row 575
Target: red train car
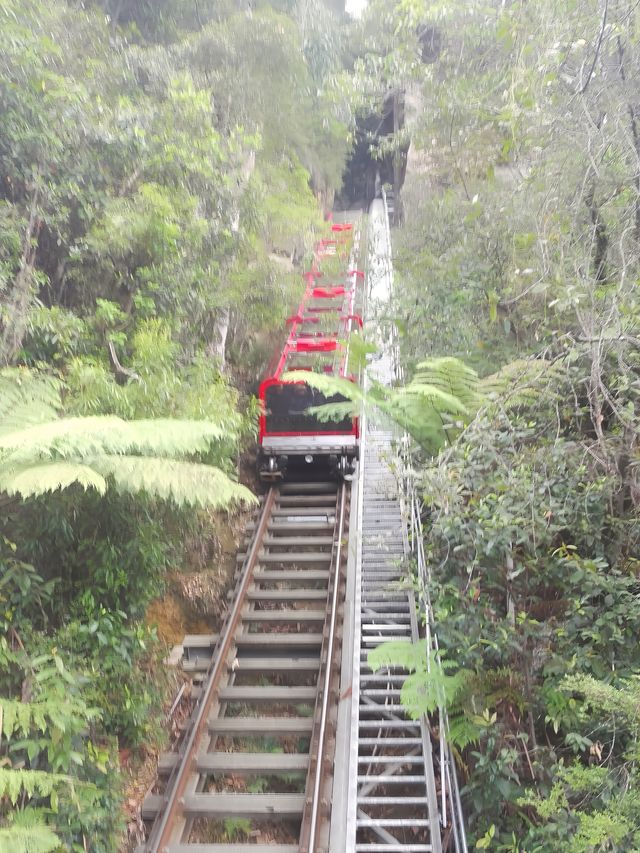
column 291, row 437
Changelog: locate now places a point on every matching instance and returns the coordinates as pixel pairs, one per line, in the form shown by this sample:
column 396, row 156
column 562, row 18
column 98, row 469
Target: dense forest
column 165, row 168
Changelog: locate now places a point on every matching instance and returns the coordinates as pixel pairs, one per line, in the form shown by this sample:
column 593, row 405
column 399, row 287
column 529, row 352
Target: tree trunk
column 13, row 319
column 601, row 240
column 635, row 135
column 115, row 15
column 396, row 155
column 217, row 347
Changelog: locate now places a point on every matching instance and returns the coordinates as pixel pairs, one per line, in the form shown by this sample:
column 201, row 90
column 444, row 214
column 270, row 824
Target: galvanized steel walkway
column 392, row 797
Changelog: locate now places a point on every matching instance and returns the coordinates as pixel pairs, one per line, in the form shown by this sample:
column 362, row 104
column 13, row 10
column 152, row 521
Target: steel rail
column 174, row 800
column 329, row 674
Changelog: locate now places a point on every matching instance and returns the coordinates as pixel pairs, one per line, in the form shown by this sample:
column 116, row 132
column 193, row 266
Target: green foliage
column 119, row 659
column 51, row 767
column 27, row 398
column 162, row 169
column 236, row 828
column 521, row 256
column 430, row 407
column 15, row 784
column 123, row 544
column 23, row 592
column 440, row 397
column 428, row 687
column 54, row 335
column 289, row 199
column 623, row 700
column 531, row 582
column 27, row 833
column 596, row 814
column 45, row 457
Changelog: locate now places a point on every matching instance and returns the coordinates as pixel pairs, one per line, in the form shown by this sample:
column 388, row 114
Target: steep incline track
column 268, row 703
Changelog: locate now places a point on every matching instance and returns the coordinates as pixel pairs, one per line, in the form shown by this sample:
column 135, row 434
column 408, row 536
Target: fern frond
column 335, row 411
column 15, row 783
column 428, row 396
column 72, row 438
column 28, row 834
column 168, row 437
column 329, row 385
column 443, row 391
column 428, row 416
column 27, row 397
column 463, row 732
column 522, row 381
column 64, row 439
column 408, row 655
column 449, row 375
column 186, row 483
column 34, row 480
column 428, row 686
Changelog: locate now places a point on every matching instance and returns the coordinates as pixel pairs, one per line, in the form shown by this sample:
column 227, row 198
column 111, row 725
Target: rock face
column 365, row 174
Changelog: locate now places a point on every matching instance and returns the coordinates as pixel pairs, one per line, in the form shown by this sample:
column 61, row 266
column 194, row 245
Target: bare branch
column 597, row 50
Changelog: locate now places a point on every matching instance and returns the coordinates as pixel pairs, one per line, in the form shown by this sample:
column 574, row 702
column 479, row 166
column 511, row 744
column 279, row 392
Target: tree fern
column 45, row 453
column 521, row 382
column 32, row 783
column 442, row 395
column 28, row 833
column 189, row 483
column 449, row 376
column 39, row 478
column 27, row 398
column 80, row 438
column 429, row 686
column 331, row 386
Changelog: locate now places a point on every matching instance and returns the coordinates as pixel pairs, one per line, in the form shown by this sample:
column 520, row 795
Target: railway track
column 257, row 752
column 274, row 757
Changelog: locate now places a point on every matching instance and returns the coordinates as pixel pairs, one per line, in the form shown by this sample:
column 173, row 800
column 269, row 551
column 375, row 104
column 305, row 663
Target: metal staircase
column 401, row 794
column 394, row 806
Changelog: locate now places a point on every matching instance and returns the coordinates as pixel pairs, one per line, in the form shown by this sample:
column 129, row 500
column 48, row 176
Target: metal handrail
column 449, row 787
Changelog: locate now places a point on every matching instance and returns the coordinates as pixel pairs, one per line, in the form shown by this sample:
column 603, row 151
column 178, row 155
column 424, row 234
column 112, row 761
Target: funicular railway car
column 293, row 440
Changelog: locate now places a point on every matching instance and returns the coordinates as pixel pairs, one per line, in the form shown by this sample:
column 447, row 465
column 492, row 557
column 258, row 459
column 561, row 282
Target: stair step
column 391, row 741
column 392, row 801
column 379, row 779
column 397, row 847
column 321, row 499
